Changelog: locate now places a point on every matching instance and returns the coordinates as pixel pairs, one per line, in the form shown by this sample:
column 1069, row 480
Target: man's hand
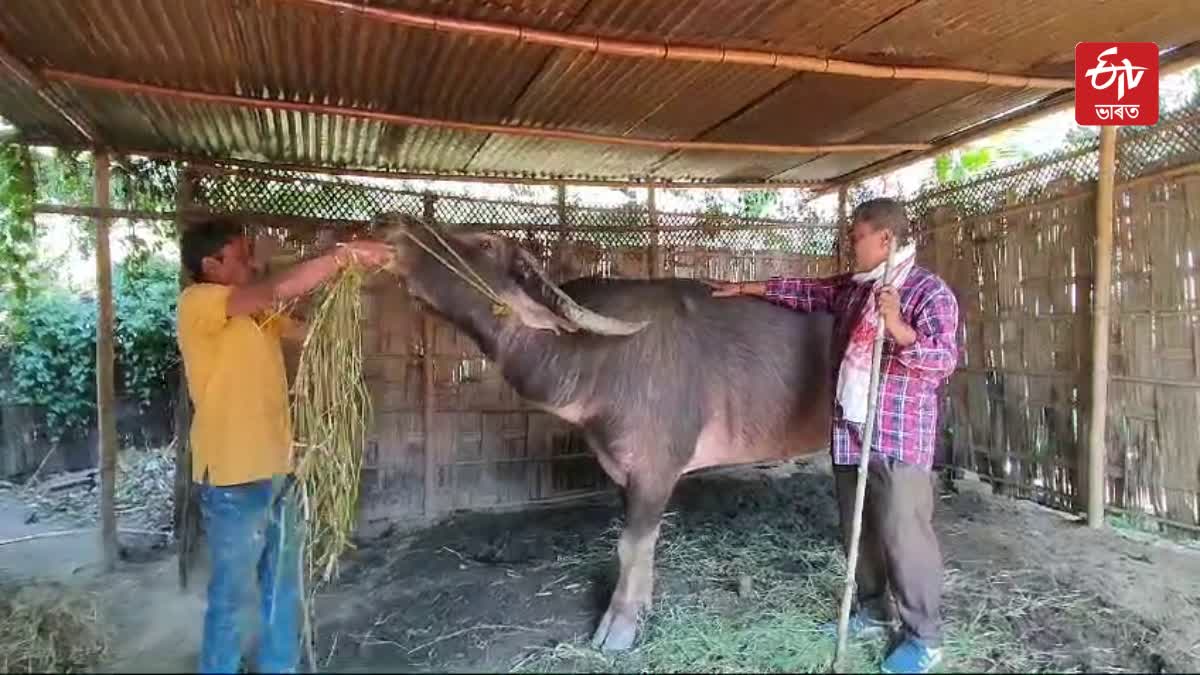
column 729, row 289
column 887, row 299
column 364, row 252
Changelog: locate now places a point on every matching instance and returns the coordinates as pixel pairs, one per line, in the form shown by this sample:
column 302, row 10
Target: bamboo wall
column 1017, row 248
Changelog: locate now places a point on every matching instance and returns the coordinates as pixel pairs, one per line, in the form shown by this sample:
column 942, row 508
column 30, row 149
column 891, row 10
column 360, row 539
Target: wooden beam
column 667, row 51
column 1178, row 60
column 106, row 397
column 171, row 93
column 31, row 79
column 1101, row 299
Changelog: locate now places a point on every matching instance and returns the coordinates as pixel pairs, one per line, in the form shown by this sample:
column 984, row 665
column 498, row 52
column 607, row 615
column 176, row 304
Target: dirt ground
column 747, row 566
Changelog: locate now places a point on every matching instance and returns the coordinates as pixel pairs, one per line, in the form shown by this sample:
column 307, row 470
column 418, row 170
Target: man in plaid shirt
column 920, row 315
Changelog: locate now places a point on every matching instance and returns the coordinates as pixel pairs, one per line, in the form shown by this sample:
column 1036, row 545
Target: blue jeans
column 252, row 531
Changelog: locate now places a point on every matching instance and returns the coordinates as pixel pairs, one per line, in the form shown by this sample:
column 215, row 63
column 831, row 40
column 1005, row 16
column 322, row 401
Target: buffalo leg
column 645, row 499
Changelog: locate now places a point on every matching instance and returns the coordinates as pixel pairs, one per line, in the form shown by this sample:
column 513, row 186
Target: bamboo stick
column 695, row 54
column 1101, row 299
column 860, row 492
column 515, row 179
column 127, row 87
column 106, row 398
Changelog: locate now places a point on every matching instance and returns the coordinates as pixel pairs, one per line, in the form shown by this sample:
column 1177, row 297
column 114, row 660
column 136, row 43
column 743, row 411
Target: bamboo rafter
column 128, row 87
column 672, row 52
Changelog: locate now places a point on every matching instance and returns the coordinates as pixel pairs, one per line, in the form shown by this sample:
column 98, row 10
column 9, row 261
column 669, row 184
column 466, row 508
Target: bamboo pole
column 106, row 417
column 653, row 260
column 860, row 492
column 523, row 179
column 171, row 93
column 843, row 224
column 674, row 52
column 1101, row 298
column 186, row 515
column 428, row 390
column 306, row 223
column 564, row 225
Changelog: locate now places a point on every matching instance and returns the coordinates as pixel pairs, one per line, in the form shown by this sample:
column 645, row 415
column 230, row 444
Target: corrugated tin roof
column 282, row 49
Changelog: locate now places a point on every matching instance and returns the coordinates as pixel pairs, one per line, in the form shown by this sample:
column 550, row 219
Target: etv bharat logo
column 1116, row 83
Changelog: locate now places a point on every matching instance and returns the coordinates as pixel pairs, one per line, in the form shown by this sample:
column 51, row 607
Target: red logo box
column 1116, row 83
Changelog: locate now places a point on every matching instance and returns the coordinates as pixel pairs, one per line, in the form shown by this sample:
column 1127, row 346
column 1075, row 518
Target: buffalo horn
column 580, row 315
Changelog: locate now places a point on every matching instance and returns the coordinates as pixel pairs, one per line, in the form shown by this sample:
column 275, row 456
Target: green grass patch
column 706, row 617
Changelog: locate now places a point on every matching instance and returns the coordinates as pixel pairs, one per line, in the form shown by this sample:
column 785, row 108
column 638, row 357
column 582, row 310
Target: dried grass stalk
column 331, row 410
column 49, row 629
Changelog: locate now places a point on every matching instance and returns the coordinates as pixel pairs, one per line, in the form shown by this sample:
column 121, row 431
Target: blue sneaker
column 860, row 628
column 912, row 656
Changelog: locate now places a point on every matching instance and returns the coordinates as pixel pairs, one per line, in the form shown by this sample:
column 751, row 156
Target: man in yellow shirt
column 229, row 335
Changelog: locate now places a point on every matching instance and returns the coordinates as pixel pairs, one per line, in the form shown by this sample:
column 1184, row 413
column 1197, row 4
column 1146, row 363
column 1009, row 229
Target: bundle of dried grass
column 331, row 409
column 49, row 629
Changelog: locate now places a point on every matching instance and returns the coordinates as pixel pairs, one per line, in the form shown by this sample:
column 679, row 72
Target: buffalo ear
column 534, row 314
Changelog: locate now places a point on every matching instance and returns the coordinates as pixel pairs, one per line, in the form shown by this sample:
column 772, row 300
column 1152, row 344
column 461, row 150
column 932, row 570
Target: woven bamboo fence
column 1017, row 248
column 484, row 447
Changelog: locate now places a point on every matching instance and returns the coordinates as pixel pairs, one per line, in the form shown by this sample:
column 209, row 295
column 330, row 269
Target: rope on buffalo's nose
column 860, row 492
column 477, row 282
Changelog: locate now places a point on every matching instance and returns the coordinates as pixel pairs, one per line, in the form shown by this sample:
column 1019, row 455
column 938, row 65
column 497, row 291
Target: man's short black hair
column 884, row 214
column 203, row 239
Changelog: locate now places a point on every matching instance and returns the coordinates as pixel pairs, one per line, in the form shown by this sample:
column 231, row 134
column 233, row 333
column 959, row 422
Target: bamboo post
column 106, row 417
column 653, row 259
column 186, row 517
column 860, row 492
column 843, row 224
column 563, row 220
column 428, row 337
column 1101, row 297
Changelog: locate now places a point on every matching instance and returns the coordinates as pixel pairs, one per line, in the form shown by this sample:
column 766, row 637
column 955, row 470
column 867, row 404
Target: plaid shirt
column 906, row 422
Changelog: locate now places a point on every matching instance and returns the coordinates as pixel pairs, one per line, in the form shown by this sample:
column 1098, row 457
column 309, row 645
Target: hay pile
column 48, row 629
column 331, row 410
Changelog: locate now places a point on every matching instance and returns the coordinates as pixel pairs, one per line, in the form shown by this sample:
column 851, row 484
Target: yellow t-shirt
column 241, row 427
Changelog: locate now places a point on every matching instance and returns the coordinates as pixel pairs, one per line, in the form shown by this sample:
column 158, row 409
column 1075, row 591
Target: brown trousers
column 898, row 550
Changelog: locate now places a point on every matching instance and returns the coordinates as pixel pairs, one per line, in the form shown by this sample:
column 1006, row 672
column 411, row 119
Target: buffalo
column 661, row 378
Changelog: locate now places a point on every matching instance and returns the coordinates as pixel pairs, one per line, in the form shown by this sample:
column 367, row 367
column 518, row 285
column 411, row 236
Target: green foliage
column 756, row 203
column 16, row 219
column 50, row 338
column 145, row 291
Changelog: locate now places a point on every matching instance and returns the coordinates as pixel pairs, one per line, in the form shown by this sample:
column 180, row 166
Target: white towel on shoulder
column 854, row 376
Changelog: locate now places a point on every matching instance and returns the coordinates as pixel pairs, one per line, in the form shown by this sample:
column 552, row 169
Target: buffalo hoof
column 616, row 632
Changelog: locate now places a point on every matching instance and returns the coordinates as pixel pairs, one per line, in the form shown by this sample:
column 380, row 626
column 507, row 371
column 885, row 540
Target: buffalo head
column 457, row 274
